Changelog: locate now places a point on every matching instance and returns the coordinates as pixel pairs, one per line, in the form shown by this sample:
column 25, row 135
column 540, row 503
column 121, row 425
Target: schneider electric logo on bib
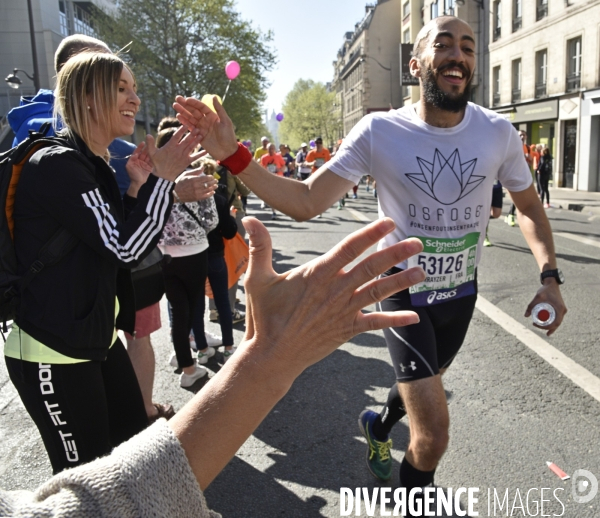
column 448, row 246
column 439, row 501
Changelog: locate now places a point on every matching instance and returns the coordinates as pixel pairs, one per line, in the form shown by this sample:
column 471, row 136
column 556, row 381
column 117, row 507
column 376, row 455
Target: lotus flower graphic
column 446, row 180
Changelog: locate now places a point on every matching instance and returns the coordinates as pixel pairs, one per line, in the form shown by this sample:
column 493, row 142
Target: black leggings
column 544, row 179
column 82, row 410
column 185, row 278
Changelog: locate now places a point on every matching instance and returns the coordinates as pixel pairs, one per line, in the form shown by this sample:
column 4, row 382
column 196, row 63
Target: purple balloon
column 279, row 117
column 312, row 143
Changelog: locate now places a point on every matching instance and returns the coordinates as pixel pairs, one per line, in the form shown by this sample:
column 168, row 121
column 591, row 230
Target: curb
column 576, row 207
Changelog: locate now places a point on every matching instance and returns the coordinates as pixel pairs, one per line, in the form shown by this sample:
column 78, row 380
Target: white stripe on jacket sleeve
column 155, row 209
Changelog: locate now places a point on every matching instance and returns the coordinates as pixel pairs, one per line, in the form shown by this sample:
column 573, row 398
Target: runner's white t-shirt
column 435, row 182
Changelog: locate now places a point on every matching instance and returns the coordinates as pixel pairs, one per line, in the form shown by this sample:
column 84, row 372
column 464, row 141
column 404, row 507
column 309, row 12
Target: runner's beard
column 435, row 96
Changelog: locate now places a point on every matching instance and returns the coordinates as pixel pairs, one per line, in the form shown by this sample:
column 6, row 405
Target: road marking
column 571, row 369
column 581, row 239
column 592, row 218
column 358, row 216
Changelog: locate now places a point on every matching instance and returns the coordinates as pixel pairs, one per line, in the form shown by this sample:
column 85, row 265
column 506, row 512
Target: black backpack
column 11, row 284
column 546, row 165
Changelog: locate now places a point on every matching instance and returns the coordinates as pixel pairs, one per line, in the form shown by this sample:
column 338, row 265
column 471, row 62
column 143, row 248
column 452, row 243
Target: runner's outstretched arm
column 538, row 234
column 300, row 200
column 289, row 327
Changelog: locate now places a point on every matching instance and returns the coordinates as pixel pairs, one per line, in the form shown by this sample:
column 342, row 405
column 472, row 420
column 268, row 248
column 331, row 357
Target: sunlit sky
column 306, row 37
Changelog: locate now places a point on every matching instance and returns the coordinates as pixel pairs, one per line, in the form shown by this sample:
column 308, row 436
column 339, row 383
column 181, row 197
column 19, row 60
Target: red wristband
column 237, row 162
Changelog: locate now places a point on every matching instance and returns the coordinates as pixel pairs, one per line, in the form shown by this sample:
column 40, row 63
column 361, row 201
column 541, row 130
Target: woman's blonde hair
column 88, row 80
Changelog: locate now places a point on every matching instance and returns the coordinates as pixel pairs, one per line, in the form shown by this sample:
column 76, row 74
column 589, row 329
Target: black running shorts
column 497, row 196
column 421, row 350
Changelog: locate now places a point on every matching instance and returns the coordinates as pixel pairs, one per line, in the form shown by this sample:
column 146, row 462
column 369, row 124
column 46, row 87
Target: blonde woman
column 63, row 354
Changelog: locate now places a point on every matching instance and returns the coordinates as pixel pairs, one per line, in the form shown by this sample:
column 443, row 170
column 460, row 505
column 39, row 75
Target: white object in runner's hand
column 543, row 314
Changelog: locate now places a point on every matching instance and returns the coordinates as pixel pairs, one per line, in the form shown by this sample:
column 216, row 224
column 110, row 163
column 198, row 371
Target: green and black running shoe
column 379, row 459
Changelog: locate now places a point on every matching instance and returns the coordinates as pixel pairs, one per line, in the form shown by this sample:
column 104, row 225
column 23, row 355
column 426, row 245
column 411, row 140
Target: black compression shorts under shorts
column 420, row 350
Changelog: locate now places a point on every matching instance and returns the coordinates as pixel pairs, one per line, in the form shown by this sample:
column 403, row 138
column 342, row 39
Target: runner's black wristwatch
column 557, row 274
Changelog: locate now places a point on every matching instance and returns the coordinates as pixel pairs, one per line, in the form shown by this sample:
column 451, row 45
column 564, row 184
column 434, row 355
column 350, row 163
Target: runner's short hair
column 168, row 122
column 75, row 44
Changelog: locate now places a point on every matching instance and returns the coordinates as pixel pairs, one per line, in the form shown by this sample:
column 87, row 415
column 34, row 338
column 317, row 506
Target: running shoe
column 510, row 220
column 487, row 242
column 354, row 196
column 187, row 380
column 546, row 205
column 204, row 356
column 213, row 315
column 238, row 316
column 213, row 340
column 227, row 354
column 379, row 459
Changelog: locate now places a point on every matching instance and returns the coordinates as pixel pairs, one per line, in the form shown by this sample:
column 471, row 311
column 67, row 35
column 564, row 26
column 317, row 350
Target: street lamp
column 389, row 69
column 14, row 81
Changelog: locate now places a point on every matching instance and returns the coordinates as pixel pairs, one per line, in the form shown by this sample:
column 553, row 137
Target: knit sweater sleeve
column 149, row 475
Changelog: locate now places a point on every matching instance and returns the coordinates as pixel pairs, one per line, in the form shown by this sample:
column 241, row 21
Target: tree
column 182, row 46
column 309, row 112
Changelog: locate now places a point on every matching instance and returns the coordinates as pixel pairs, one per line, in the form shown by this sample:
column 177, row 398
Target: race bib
column 272, row 168
column 449, row 265
column 319, row 162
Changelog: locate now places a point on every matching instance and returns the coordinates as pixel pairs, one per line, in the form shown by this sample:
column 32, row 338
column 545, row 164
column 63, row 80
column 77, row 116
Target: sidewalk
column 580, row 201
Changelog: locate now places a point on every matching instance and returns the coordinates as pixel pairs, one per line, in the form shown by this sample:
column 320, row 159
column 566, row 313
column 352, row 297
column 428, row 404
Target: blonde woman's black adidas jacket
column 70, row 306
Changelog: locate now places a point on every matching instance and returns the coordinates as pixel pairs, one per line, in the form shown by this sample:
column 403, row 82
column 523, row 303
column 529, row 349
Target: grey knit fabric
column 147, row 476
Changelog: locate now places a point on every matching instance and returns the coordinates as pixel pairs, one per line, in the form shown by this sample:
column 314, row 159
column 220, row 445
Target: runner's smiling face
column 446, row 64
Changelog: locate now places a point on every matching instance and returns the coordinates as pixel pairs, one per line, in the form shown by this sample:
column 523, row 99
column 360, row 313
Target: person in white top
column 435, row 181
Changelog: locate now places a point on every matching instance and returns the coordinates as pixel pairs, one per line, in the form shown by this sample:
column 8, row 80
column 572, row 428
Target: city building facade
column 544, row 77
column 367, row 69
column 52, row 20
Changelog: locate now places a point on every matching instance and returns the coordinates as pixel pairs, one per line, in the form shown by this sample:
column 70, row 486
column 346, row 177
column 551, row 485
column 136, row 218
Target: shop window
column 434, row 10
column 541, row 73
column 570, row 149
column 574, row 64
column 516, row 81
column 406, row 36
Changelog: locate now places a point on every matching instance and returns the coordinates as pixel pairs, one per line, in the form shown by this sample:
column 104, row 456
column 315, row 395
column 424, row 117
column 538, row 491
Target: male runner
column 319, row 156
column 304, row 170
column 275, row 164
column 435, row 180
column 263, row 150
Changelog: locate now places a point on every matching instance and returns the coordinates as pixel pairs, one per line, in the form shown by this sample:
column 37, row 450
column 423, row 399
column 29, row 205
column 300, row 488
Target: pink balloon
column 232, row 70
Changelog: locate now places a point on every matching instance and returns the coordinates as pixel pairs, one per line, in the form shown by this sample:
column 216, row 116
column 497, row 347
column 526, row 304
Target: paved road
column 511, row 410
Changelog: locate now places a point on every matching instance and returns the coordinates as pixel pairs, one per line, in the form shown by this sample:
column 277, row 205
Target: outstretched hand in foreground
column 293, row 320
